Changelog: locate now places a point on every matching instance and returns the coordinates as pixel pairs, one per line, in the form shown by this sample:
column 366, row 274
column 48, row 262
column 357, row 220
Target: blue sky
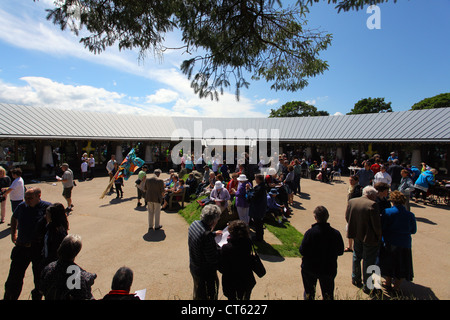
column 405, row 61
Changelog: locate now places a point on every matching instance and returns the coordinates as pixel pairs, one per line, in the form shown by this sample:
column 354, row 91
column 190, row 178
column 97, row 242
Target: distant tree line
column 366, row 105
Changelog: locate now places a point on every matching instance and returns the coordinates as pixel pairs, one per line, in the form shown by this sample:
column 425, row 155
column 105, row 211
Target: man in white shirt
column 16, row 190
column 109, row 168
column 91, row 162
column 323, row 168
column 67, row 182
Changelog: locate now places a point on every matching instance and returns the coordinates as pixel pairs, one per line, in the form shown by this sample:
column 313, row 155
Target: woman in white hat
column 220, row 195
column 242, row 204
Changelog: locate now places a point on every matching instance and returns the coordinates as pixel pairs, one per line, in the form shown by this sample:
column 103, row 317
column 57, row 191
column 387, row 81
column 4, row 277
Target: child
column 118, row 183
column 274, row 207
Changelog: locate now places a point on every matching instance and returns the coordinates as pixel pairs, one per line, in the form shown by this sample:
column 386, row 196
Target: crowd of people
column 379, row 227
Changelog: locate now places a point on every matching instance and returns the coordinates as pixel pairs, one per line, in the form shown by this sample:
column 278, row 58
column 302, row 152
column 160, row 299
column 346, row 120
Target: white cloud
column 162, row 96
column 338, row 114
column 311, row 102
column 20, row 30
column 272, row 102
column 39, row 91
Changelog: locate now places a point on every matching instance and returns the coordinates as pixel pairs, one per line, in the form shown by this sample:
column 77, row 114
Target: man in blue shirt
column 365, row 175
column 27, row 232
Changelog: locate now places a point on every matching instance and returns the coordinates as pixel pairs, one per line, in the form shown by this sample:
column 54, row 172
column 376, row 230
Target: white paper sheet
column 222, row 239
column 141, row 293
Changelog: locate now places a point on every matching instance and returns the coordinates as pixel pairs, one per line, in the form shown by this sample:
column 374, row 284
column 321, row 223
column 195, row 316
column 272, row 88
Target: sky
column 404, row 61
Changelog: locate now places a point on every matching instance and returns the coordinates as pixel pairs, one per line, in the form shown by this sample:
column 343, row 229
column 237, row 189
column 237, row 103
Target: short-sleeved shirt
column 28, row 220
column 18, row 191
column 67, row 175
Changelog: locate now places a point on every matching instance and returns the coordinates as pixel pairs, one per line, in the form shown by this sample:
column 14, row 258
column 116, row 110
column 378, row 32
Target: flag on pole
column 129, row 165
column 126, row 169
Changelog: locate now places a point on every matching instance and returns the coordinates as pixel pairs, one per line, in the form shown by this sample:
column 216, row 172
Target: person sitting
column 173, row 184
column 191, row 184
column 176, row 190
column 169, row 181
column 274, row 207
column 220, row 196
column 55, row 278
column 121, row 285
column 205, row 181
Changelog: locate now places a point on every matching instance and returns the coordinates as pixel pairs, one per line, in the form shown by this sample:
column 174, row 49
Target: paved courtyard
column 114, row 234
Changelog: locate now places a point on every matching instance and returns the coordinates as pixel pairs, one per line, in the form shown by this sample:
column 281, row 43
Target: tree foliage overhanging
column 235, row 38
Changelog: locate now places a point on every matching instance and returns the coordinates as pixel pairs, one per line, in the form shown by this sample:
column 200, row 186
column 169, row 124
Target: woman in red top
column 233, row 184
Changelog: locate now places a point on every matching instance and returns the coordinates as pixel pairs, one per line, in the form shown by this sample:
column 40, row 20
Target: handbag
column 256, row 263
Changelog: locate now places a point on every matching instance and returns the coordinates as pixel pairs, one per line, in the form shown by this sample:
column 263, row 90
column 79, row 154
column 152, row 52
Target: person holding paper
column 67, row 182
column 235, row 263
column 204, row 254
column 121, row 285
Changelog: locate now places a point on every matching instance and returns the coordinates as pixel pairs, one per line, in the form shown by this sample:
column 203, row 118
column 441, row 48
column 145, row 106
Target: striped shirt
column 203, row 250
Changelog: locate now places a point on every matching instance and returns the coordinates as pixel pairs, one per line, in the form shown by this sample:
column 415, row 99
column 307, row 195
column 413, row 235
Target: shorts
column 67, row 193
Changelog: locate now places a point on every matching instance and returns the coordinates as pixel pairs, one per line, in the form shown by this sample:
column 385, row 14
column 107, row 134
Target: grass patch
column 290, row 237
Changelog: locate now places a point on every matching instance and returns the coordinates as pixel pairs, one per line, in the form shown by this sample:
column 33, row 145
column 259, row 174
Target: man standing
column 204, row 253
column 365, row 175
column 110, row 168
column 364, row 227
column 16, row 189
column 395, row 170
column 29, row 220
column 67, row 182
column 324, row 169
column 91, row 162
column 154, row 194
column 320, row 249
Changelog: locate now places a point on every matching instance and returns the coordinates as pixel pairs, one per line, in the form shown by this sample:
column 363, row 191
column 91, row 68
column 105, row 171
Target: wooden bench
column 177, row 197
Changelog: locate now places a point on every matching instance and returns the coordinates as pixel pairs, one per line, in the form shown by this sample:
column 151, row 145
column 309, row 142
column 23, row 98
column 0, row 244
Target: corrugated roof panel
column 35, row 122
column 389, row 127
column 325, row 125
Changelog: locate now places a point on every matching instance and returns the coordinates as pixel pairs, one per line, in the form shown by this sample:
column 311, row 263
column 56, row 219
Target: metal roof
column 29, row 122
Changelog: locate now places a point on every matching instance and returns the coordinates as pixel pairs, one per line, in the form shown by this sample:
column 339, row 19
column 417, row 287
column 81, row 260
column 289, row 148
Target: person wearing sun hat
column 242, row 204
column 220, row 196
column 274, row 207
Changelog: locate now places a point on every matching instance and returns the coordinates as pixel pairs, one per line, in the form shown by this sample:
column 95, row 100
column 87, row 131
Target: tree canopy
column 371, row 105
column 439, row 101
column 296, row 109
column 226, row 40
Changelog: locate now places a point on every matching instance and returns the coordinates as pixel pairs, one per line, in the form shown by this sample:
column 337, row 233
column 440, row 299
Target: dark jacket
column 120, row 295
column 364, row 222
column 321, row 245
column 235, row 265
column 258, row 201
column 203, row 249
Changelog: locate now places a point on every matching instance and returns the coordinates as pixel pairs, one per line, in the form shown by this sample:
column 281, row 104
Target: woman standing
column 398, row 224
column 406, row 186
column 242, row 204
column 56, row 230
column 5, row 182
column 235, row 263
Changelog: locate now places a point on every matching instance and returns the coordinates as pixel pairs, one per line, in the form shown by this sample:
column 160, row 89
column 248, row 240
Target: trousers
column 154, row 213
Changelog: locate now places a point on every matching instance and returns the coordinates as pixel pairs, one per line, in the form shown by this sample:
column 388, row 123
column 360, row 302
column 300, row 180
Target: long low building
column 39, row 138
